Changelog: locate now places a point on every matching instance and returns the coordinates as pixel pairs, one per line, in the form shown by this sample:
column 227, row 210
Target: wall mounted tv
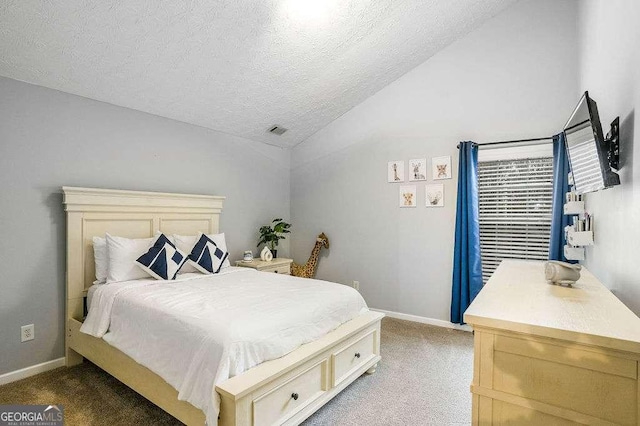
column 591, row 155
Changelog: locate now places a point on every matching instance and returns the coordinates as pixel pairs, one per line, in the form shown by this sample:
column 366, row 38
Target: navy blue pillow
column 163, row 260
column 206, row 256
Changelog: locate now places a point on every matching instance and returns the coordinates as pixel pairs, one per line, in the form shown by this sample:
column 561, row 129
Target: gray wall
column 49, row 139
column 402, row 257
column 610, row 71
column 513, row 77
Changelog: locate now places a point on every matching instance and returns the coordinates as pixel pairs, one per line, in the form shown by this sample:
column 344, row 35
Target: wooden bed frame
column 286, row 390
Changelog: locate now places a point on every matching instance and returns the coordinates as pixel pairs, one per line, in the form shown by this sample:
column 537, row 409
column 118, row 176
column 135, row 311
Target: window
column 515, row 197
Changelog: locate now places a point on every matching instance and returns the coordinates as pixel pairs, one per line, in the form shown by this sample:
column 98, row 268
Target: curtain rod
column 513, row 141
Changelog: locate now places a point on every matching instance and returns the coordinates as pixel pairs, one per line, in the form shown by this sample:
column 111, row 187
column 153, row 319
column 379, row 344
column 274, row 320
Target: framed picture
column 395, row 171
column 417, row 169
column 434, row 195
column 441, row 167
column 408, row 196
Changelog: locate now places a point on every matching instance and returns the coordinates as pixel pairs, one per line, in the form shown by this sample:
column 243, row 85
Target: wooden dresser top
column 518, row 298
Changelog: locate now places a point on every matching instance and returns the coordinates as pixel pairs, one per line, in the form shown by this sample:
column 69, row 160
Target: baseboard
column 23, row 373
column 423, row 320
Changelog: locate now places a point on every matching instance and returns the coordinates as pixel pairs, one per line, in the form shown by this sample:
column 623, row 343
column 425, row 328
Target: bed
column 284, row 390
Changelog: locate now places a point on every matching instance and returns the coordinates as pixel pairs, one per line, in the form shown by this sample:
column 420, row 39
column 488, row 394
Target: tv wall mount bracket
column 612, row 140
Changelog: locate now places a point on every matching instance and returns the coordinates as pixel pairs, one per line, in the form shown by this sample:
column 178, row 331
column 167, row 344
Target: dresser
column 552, row 355
column 279, row 265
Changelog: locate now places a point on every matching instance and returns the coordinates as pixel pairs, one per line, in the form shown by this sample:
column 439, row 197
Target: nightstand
column 279, row 265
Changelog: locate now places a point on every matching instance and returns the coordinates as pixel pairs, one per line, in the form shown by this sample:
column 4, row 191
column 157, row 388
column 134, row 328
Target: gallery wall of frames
column 416, row 170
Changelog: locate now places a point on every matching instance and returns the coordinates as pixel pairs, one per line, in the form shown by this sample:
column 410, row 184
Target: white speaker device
column 557, row 272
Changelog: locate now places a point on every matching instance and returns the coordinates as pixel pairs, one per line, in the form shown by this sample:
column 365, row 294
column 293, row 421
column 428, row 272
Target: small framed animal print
column 408, row 196
column 434, row 195
column 441, row 167
column 417, row 169
column 395, row 171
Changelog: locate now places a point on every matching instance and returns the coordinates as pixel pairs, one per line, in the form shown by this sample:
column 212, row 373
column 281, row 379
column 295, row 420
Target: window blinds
column 515, row 198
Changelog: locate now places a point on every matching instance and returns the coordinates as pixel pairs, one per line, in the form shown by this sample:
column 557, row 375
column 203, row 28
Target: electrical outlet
column 356, row 285
column 27, row 333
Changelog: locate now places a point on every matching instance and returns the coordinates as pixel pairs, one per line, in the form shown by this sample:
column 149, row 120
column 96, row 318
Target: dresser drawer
column 573, row 377
column 284, row 401
column 282, row 269
column 351, row 357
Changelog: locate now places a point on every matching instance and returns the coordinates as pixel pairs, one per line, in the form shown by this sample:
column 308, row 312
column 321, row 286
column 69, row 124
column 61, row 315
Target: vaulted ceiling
column 237, row 66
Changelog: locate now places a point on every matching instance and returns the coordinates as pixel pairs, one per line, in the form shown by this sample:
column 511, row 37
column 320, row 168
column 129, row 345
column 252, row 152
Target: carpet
column 423, row 379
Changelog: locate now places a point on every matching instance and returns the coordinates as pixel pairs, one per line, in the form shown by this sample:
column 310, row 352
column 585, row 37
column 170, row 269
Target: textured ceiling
column 236, row 66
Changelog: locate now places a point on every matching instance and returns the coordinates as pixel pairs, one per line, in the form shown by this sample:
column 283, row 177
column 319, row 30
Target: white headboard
column 133, row 214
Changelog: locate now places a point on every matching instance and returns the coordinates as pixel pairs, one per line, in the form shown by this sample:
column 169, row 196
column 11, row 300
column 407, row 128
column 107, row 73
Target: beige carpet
column 423, row 379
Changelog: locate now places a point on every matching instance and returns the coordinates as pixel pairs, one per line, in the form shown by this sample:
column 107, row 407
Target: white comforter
column 198, row 331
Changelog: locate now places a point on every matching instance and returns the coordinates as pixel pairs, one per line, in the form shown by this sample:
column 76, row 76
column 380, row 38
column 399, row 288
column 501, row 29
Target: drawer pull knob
column 357, row 354
column 294, row 396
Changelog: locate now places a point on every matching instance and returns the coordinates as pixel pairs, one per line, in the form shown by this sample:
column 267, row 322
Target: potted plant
column 270, row 235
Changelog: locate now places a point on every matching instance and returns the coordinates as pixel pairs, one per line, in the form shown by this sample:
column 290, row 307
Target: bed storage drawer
column 263, row 395
column 284, row 401
column 351, row 357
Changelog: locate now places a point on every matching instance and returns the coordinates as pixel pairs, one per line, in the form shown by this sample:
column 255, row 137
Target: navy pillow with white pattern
column 206, row 256
column 163, row 260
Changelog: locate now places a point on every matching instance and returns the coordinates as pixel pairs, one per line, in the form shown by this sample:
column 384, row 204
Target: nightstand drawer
column 281, row 269
column 279, row 266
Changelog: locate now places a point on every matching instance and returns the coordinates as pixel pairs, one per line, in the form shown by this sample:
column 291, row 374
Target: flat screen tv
column 590, row 153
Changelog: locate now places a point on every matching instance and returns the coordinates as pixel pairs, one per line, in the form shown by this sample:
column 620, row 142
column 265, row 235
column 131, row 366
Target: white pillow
column 101, row 258
column 122, row 253
column 186, row 243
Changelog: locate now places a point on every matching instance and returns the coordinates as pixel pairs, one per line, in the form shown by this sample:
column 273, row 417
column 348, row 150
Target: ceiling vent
column 277, row 130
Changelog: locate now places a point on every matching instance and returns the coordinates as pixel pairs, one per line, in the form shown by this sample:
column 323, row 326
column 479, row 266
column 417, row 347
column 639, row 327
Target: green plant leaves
column 271, row 236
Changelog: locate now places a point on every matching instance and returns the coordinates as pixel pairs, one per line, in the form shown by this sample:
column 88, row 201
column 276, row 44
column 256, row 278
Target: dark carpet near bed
column 423, row 379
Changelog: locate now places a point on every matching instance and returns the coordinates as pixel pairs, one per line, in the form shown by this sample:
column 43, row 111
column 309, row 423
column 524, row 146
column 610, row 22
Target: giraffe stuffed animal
column 308, row 270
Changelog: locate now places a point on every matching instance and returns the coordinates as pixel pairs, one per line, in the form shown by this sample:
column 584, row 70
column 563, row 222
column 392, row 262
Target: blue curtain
column 560, row 188
column 467, row 264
